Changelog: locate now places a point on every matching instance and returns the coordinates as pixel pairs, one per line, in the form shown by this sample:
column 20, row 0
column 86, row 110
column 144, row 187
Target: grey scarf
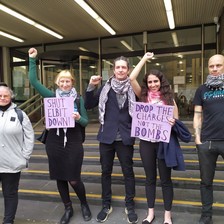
column 215, row 82
column 120, row 88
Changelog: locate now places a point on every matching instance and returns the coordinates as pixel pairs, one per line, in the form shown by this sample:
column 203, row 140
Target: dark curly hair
column 166, row 92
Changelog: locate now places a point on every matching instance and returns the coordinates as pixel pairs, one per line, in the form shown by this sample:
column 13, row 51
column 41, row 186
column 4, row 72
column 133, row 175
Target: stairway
column 35, row 184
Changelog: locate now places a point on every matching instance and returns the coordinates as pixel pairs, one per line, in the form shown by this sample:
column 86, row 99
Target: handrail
column 31, row 106
column 29, row 100
column 38, row 122
column 36, row 103
column 36, row 109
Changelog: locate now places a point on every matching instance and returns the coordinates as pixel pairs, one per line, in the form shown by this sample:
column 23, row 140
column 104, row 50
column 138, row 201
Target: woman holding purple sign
column 155, row 89
column 64, row 145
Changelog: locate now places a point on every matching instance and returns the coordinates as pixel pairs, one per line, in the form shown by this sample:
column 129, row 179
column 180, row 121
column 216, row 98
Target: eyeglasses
column 4, row 96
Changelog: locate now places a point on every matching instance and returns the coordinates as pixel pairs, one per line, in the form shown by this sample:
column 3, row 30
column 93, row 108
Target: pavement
column 51, row 212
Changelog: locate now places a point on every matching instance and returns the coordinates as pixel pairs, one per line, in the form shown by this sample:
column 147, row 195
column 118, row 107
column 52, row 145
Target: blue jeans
column 208, row 153
column 10, row 184
column 125, row 155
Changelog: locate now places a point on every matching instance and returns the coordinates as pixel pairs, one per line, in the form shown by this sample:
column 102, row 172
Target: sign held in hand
column 151, row 122
column 58, row 112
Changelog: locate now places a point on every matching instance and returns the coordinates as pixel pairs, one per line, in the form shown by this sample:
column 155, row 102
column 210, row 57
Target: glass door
column 82, row 69
column 88, row 67
column 49, row 71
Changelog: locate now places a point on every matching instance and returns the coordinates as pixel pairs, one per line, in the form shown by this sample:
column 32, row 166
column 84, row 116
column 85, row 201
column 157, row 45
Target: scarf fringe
column 120, row 87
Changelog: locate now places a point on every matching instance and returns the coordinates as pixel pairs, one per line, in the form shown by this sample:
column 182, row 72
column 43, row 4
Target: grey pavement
column 51, row 212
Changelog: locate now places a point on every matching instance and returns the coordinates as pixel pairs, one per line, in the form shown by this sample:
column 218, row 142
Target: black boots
column 86, row 213
column 67, row 215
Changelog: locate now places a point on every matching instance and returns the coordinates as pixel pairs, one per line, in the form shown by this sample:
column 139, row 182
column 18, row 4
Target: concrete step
column 184, row 201
column 35, row 183
column 91, row 173
column 38, row 194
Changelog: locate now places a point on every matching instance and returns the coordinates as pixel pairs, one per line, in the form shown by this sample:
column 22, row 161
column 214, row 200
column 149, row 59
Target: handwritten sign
column 58, row 112
column 150, row 122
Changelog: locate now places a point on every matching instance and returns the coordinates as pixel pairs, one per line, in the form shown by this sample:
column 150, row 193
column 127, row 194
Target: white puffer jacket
column 16, row 141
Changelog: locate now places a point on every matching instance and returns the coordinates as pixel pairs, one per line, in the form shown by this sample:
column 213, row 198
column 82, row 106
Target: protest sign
column 58, row 112
column 151, row 122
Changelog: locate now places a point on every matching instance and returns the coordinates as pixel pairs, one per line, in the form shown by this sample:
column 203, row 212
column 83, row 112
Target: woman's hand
column 32, row 52
column 172, row 121
column 76, row 116
column 95, row 79
column 148, row 55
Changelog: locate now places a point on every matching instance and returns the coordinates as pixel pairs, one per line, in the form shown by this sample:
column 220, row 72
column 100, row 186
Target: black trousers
column 10, row 185
column 208, row 153
column 125, row 156
column 148, row 152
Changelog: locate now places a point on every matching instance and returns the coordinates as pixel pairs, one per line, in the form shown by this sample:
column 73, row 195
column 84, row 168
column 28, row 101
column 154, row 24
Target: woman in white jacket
column 17, row 141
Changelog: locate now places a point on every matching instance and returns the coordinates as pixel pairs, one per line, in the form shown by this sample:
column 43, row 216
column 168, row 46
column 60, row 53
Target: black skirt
column 65, row 162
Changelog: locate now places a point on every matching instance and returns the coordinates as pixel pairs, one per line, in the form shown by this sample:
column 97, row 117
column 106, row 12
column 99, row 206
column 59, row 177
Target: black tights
column 78, row 187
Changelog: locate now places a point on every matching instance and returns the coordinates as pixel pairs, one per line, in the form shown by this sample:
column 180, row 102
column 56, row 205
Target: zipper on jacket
column 210, row 144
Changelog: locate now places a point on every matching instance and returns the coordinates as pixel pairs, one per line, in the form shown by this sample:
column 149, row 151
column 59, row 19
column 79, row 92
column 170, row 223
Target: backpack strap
column 19, row 114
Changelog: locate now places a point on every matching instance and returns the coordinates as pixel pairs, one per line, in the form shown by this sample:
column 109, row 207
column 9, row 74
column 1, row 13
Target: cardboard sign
column 151, row 122
column 58, row 112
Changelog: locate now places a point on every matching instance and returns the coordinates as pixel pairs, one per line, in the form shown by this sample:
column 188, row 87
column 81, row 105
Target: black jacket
column 115, row 119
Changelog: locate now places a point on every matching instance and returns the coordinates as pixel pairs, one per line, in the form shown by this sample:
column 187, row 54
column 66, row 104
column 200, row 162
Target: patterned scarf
column 72, row 93
column 154, row 97
column 214, row 82
column 120, row 88
column 60, row 93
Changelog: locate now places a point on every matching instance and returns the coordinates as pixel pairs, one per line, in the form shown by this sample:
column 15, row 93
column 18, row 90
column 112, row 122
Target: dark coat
column 171, row 151
column 115, row 118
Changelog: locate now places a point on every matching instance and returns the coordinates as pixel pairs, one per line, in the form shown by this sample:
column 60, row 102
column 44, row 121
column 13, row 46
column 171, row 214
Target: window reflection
column 178, row 54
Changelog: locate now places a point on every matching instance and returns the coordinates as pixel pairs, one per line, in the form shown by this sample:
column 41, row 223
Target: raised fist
column 32, row 52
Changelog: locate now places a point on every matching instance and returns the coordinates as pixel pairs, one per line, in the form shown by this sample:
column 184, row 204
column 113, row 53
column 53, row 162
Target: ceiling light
column 11, row 36
column 92, row 13
column 175, row 40
column 169, row 13
column 45, row 29
column 29, row 21
column 127, row 45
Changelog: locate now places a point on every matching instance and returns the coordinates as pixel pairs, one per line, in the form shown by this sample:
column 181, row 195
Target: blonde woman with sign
column 64, row 145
